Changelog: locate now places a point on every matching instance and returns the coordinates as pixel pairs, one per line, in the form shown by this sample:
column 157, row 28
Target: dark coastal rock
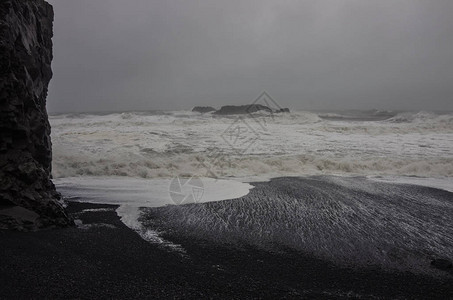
column 442, row 264
column 25, row 146
column 203, row 109
column 282, row 110
column 248, row 109
column 242, row 109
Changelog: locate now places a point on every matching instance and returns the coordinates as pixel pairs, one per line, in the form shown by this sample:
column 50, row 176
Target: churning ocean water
column 350, row 162
column 167, row 144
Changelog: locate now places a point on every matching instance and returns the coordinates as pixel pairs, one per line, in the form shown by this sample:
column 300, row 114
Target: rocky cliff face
column 25, row 146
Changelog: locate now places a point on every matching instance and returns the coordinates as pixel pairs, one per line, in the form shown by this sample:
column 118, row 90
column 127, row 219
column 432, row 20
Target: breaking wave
column 165, row 144
column 162, row 166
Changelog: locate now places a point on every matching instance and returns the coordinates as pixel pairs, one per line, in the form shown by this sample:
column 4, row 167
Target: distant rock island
column 239, row 109
column 203, row 109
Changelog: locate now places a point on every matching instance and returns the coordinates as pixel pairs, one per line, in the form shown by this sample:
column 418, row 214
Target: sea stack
column 242, row 109
column 28, row 199
column 203, row 109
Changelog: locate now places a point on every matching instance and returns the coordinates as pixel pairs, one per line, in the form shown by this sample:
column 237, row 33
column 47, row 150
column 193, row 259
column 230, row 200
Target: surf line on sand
column 132, row 194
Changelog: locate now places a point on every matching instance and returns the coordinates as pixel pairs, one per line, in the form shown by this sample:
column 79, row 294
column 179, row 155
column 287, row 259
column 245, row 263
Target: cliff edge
column 28, row 198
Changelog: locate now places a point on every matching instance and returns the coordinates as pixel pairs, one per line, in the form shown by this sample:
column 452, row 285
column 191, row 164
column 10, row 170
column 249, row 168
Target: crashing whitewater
column 167, row 144
column 365, row 214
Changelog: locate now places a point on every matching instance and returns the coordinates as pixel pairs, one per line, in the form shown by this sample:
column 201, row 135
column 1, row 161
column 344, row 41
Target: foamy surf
column 132, row 194
column 166, row 144
column 126, row 159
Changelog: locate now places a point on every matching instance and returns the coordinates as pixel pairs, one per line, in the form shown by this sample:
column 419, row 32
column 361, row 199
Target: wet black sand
column 105, row 262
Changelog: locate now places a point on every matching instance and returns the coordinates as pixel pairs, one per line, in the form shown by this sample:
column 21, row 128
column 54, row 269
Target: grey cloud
column 145, row 55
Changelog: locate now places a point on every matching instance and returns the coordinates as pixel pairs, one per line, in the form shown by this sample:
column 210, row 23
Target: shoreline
column 106, row 259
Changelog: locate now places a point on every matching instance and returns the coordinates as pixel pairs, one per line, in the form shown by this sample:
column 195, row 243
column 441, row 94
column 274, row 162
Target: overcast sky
column 119, row 55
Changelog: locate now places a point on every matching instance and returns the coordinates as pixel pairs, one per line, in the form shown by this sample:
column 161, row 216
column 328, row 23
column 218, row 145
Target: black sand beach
column 105, row 259
column 126, row 73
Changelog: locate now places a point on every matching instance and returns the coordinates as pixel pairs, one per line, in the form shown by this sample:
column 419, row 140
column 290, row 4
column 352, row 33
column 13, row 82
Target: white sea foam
column 166, row 144
column 143, row 151
column 161, row 145
column 131, row 194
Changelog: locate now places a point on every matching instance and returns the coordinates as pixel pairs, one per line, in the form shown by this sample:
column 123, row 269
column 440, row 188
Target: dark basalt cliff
column 28, row 198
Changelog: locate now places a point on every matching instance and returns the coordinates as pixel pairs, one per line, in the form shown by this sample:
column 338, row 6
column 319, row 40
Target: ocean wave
column 295, row 117
column 422, row 117
column 155, row 144
column 164, row 166
column 358, row 115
